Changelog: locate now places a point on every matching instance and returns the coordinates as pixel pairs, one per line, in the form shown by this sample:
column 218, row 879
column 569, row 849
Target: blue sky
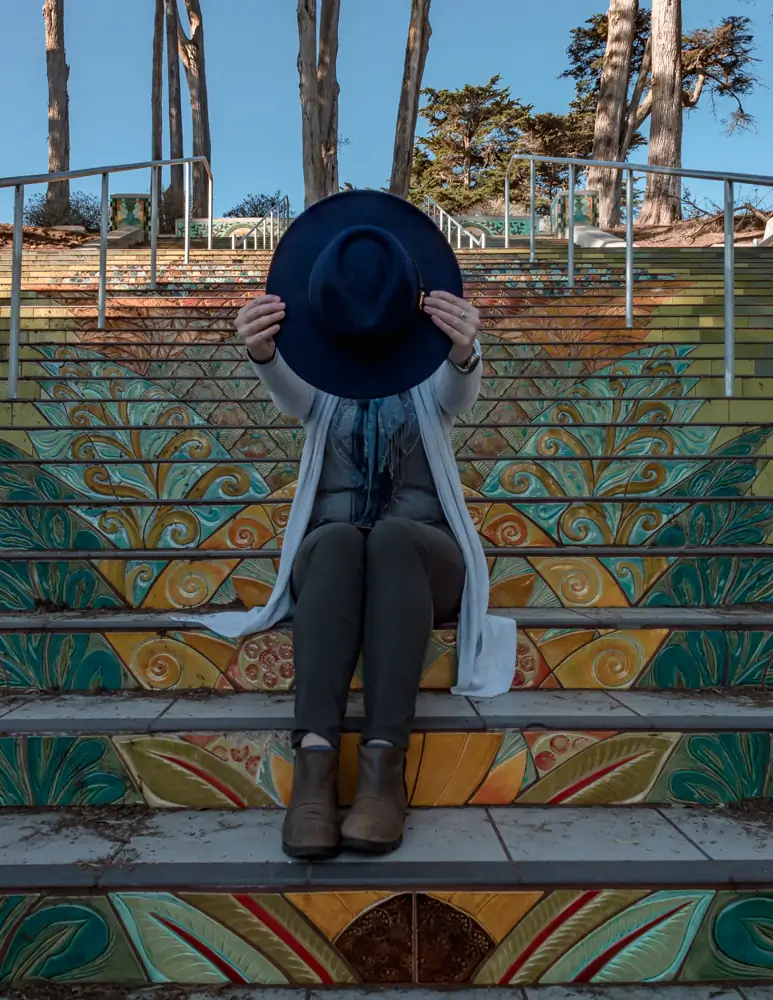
column 253, row 83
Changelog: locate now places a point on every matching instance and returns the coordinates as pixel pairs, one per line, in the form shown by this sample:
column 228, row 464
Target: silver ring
column 462, row 314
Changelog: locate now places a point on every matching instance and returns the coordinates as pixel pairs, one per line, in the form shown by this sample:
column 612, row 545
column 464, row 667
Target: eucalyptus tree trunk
column 192, row 54
column 319, row 89
column 327, row 95
column 416, row 49
column 175, row 100
column 309, row 92
column 157, row 85
column 663, row 199
column 611, row 107
column 58, row 195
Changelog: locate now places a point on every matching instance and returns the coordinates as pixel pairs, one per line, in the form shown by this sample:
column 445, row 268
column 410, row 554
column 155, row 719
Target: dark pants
column 378, row 591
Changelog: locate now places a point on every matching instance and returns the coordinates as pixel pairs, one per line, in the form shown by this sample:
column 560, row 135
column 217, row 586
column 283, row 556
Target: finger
column 453, row 309
column 449, row 331
column 464, row 326
column 260, row 324
column 447, row 297
column 265, row 303
column 261, row 321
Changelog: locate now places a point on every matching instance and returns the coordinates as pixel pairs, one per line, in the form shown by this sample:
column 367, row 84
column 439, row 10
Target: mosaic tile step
column 497, row 356
column 578, row 992
column 602, row 649
column 154, row 580
column 612, row 895
column 531, row 748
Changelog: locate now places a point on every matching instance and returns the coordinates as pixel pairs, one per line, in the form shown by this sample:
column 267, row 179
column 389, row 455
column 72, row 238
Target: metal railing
column 276, row 221
column 20, row 183
column 729, row 180
column 448, row 225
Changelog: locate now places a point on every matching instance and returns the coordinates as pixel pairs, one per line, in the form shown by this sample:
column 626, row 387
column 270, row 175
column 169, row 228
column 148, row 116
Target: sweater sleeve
column 455, row 392
column 291, row 394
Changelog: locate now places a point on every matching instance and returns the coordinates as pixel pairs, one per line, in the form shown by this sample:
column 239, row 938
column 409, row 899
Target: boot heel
column 311, row 828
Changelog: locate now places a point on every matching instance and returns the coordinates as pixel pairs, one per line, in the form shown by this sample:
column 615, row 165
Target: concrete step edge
column 143, row 712
column 739, row 618
column 443, row 848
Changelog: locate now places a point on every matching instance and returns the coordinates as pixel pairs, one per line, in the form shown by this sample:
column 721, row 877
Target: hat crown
column 364, row 288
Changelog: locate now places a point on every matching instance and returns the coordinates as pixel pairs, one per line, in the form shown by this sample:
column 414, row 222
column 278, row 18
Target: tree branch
column 690, row 99
column 636, row 111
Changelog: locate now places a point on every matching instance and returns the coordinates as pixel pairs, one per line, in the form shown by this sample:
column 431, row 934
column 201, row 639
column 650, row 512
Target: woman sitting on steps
column 379, row 546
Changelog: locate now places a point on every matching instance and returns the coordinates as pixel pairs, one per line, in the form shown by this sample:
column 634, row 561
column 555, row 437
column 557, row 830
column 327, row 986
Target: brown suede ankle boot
column 375, row 822
column 311, row 826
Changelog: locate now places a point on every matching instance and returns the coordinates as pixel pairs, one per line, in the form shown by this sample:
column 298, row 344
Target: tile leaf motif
column 57, row 771
column 645, row 943
column 735, row 942
column 712, row 769
column 73, row 661
column 619, row 769
column 174, row 772
column 548, row 930
column 64, row 941
column 276, row 929
column 178, row 943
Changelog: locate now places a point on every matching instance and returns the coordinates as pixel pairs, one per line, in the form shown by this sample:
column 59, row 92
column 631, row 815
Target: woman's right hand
column 258, row 323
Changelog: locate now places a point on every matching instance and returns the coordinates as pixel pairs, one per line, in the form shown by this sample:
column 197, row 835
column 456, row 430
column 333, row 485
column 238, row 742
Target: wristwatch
column 468, row 366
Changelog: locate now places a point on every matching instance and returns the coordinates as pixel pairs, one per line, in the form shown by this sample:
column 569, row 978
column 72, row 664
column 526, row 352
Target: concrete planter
column 130, row 211
column 586, row 211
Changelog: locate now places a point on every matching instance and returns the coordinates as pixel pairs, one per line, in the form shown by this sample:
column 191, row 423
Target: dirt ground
column 43, row 239
column 693, row 233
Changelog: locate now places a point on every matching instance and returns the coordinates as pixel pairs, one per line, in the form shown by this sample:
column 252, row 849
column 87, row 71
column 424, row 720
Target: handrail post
column 570, row 224
column 233, row 241
column 507, row 207
column 532, row 211
column 14, row 340
column 155, row 180
column 729, row 288
column 188, row 171
column 105, row 221
column 272, row 228
column 211, row 207
column 629, row 249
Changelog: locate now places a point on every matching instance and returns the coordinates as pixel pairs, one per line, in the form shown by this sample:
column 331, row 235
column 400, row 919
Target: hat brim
column 302, row 343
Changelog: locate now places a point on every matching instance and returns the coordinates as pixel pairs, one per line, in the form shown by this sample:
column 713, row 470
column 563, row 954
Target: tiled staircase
column 608, row 821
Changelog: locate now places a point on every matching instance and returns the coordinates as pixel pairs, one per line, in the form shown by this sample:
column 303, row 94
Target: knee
column 334, row 549
column 392, row 540
column 337, row 541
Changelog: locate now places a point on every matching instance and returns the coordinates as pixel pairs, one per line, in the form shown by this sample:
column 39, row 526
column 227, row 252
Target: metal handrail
column 279, row 211
column 729, row 179
column 445, row 222
column 155, row 167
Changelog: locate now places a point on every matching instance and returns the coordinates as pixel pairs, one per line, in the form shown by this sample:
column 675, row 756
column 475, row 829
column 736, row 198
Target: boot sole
column 310, row 853
column 370, row 846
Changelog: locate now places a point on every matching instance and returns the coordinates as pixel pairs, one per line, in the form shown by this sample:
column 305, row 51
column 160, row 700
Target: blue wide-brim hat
column 352, row 271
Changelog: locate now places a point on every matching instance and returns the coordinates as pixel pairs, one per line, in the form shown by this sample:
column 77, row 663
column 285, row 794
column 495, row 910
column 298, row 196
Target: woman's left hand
column 459, row 320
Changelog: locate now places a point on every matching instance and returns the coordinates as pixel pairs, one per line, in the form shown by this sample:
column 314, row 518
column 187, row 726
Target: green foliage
column 716, row 60
column 587, row 47
column 472, row 134
column 253, row 206
column 85, row 210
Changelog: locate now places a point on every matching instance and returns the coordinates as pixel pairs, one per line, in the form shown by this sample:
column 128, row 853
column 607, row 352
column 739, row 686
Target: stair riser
column 143, row 580
column 427, row 934
column 578, row 658
column 237, row 769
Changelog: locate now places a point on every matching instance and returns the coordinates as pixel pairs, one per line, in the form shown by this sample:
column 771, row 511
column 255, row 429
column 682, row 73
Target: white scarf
column 486, row 644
